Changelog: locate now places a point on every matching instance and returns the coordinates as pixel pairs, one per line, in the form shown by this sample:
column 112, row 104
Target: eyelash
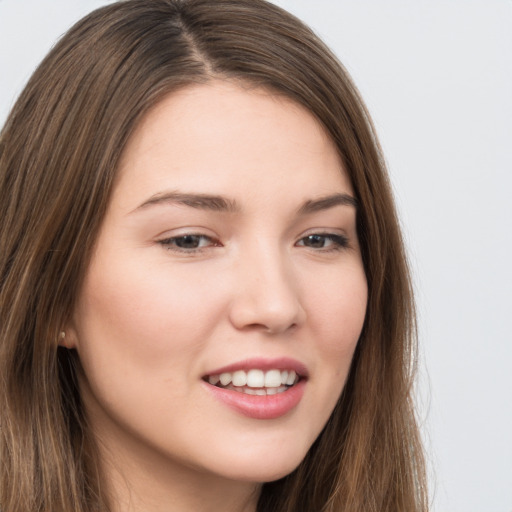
column 171, row 243
column 337, row 242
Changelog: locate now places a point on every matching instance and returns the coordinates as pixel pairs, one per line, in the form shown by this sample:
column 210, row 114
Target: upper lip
column 280, row 363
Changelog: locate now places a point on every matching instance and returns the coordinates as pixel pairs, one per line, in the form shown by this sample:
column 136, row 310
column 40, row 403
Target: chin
column 264, row 468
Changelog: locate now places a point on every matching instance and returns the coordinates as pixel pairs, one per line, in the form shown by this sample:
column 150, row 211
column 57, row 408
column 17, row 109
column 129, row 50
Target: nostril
column 268, row 318
column 266, row 296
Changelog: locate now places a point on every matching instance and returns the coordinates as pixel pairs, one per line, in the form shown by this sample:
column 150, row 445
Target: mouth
column 259, row 388
column 255, row 381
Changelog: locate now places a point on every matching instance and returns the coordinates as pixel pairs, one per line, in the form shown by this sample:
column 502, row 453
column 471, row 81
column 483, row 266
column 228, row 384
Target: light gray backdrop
column 437, row 77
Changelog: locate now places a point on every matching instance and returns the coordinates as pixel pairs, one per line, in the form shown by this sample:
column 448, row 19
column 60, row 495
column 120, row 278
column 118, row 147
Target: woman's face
column 228, row 251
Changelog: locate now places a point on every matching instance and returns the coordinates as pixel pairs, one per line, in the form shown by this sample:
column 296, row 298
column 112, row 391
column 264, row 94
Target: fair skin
column 229, row 245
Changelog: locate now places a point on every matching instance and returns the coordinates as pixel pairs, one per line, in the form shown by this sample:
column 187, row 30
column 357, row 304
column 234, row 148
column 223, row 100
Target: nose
column 266, row 294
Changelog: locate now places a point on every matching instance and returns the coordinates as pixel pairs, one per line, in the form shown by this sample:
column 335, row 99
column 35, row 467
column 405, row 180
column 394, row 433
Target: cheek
column 140, row 334
column 337, row 314
column 138, row 320
column 149, row 305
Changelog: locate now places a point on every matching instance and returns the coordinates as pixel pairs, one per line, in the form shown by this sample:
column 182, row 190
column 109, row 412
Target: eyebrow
column 199, row 201
column 217, row 203
column 324, row 203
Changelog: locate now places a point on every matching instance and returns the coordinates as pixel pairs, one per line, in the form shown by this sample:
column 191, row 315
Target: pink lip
column 261, row 407
column 281, row 363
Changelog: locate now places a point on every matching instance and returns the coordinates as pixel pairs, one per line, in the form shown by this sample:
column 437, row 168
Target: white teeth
column 271, row 379
column 291, row 378
column 225, row 378
column 259, row 392
column 239, row 378
column 255, row 378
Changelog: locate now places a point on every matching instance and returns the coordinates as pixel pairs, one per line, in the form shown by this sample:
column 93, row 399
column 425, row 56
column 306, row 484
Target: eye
column 189, row 242
column 324, row 241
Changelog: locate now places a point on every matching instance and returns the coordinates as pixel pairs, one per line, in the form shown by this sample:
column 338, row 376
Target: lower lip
column 267, row 407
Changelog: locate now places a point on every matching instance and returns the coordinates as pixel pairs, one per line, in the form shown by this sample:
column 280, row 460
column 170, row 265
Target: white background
column 437, row 77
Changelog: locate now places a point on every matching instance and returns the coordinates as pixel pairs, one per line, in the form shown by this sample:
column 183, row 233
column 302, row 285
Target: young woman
column 204, row 298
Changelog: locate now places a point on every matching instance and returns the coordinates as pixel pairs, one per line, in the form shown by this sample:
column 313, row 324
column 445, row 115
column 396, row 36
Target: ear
column 68, row 337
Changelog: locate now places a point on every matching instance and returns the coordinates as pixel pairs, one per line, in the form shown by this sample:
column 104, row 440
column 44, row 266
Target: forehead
column 222, row 135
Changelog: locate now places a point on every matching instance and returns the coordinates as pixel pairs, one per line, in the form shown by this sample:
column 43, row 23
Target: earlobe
column 67, row 339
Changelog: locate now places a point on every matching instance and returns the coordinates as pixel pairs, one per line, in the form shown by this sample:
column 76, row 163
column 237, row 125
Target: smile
column 255, row 381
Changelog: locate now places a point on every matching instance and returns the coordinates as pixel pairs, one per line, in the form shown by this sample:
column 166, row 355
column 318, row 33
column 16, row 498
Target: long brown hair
column 59, row 152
